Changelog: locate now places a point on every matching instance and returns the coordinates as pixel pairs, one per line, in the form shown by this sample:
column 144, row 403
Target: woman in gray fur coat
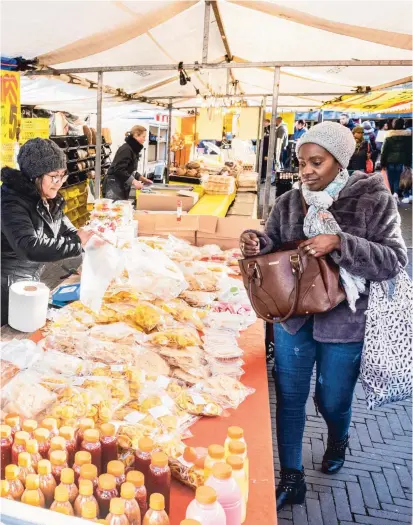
column 355, row 221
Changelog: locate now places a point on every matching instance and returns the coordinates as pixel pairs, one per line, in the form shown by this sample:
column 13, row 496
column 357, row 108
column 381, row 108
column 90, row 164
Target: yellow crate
column 73, row 215
column 82, row 199
column 71, row 204
column 82, row 187
column 73, row 192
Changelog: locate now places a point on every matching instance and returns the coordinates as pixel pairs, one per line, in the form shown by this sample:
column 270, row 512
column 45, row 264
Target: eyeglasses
column 58, row 179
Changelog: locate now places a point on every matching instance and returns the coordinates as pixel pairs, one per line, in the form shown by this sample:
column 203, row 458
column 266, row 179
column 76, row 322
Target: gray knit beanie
column 39, row 156
column 333, row 137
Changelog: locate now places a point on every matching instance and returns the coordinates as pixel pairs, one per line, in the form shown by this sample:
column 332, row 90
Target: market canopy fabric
column 168, row 32
column 373, row 102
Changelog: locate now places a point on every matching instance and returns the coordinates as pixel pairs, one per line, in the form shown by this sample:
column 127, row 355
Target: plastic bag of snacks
column 183, row 313
column 228, row 391
column 188, row 466
column 199, row 299
column 21, row 353
column 199, row 403
column 117, row 333
column 149, row 317
column 152, row 272
column 175, row 338
column 8, row 371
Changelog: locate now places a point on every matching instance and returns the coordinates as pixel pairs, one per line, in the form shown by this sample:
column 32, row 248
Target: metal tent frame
column 229, row 65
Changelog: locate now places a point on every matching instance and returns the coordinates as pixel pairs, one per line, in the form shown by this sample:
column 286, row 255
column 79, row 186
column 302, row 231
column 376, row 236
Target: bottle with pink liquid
column 205, row 508
column 228, row 492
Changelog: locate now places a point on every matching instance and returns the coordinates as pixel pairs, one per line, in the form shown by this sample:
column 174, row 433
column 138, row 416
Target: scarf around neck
column 320, row 221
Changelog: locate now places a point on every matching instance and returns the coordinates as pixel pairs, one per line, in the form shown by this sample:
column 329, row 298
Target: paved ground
column 375, row 485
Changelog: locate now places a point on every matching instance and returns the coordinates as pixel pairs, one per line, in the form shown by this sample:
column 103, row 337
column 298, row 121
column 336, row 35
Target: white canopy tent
column 309, row 52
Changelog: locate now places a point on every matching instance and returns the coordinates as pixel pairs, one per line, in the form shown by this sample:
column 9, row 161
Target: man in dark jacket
column 346, row 121
column 396, row 154
column 34, row 229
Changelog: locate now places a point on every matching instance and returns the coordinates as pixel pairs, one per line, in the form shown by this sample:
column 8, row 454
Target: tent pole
column 243, row 95
column 226, row 65
column 264, row 106
column 207, row 18
column 258, row 144
column 98, row 163
column 196, row 114
column 272, row 144
column 168, row 145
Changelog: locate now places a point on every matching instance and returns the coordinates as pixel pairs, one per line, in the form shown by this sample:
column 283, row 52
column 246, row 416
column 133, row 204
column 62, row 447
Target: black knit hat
column 39, row 156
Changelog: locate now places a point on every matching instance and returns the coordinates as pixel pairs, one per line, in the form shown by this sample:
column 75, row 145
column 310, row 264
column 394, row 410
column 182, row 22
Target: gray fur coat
column 371, row 247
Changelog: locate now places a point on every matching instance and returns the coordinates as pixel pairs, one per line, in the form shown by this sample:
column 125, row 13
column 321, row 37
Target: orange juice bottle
column 132, row 510
column 117, row 514
column 58, row 443
column 67, row 479
column 25, row 466
column 19, row 445
column 50, row 424
column 42, row 436
column 16, row 487
column 13, row 421
column 117, row 469
column 33, row 484
column 68, row 434
column 85, row 496
column 5, row 489
column 138, row 481
column 156, row 514
column 89, row 512
column 61, row 501
column 81, row 458
column 58, row 459
column 216, row 454
column 32, row 447
column 234, row 434
column 47, row 482
column 29, row 426
column 33, row 498
column 89, row 472
column 84, row 424
column 239, row 448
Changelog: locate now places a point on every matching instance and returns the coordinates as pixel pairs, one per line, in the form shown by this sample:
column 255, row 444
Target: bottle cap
column 5, row 488
column 61, row 494
column 67, row 476
column 21, row 438
column 117, row 506
column 189, row 455
column 67, row 433
column 157, row 502
column 41, row 435
column 91, row 435
column 136, row 478
column 32, row 482
column 89, row 510
column 13, row 420
column 206, row 495
column 32, row 497
column 221, row 471
column 107, row 430
column 107, row 482
column 235, row 433
column 24, row 459
column 127, row 490
column 190, row 522
column 49, row 424
column 235, row 462
column 44, row 467
column 58, row 457
column 12, row 472
column 146, row 444
column 32, row 446
column 29, row 425
column 89, row 472
column 116, row 468
column 159, row 459
column 5, row 431
column 216, row 451
column 57, row 443
column 68, row 412
column 237, row 448
column 86, row 423
column 83, row 458
column 85, row 487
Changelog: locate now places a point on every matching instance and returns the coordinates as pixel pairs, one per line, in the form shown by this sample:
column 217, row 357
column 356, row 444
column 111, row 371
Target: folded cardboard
column 164, row 202
column 197, row 229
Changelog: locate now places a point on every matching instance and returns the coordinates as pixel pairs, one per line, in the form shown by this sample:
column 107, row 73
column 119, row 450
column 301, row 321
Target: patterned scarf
column 320, row 221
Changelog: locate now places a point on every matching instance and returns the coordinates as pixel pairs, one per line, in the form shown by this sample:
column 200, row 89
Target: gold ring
column 307, row 248
column 312, row 252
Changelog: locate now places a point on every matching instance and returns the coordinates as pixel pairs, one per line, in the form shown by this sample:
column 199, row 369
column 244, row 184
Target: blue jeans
column 393, row 173
column 337, row 370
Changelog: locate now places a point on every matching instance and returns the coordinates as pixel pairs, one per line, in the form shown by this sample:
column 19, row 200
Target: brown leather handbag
column 290, row 282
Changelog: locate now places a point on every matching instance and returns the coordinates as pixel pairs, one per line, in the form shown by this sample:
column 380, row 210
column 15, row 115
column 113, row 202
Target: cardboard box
column 197, row 229
column 163, row 202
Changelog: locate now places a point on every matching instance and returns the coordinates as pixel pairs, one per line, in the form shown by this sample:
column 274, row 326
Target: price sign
column 10, row 115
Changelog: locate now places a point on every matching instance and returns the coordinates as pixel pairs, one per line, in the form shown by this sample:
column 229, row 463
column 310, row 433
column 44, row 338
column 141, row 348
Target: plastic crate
column 82, row 199
column 73, row 215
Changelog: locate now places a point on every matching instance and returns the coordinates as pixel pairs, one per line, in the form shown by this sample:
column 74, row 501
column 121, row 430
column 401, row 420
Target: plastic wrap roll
column 28, row 304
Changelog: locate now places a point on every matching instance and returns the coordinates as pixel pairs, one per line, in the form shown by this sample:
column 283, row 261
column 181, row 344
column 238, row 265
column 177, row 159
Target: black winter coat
column 397, row 148
column 31, row 234
column 359, row 158
column 122, row 171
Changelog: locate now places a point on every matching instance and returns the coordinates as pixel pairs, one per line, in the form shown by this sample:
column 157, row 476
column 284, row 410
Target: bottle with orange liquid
column 81, row 458
column 61, row 502
column 117, row 469
column 117, row 514
column 58, row 459
column 42, row 436
column 29, row 426
column 47, row 483
column 85, row 496
column 50, row 424
column 32, row 447
column 90, row 472
column 16, row 487
column 90, row 512
column 33, row 484
column 141, row 496
column 132, row 510
column 20, row 440
column 68, row 434
column 6, row 446
column 25, row 466
column 5, row 490
column 13, row 421
column 67, row 479
column 156, row 514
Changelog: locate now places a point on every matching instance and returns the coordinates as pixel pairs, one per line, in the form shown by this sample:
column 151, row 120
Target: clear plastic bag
column 175, row 338
column 101, row 264
column 199, row 299
column 224, row 321
column 21, row 353
column 117, row 333
column 183, row 313
column 229, row 392
column 152, row 272
column 149, row 317
column 199, row 403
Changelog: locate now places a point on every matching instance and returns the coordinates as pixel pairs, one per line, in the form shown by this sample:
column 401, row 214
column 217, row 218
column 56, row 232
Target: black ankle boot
column 334, row 456
column 291, row 489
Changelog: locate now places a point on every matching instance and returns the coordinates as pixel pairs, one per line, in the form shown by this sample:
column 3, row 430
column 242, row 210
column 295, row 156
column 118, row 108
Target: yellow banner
column 10, row 115
column 34, row 128
column 372, row 102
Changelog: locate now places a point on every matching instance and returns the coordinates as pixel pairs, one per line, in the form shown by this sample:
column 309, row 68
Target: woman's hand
column 137, row 184
column 146, row 181
column 321, row 245
column 84, row 236
column 250, row 244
